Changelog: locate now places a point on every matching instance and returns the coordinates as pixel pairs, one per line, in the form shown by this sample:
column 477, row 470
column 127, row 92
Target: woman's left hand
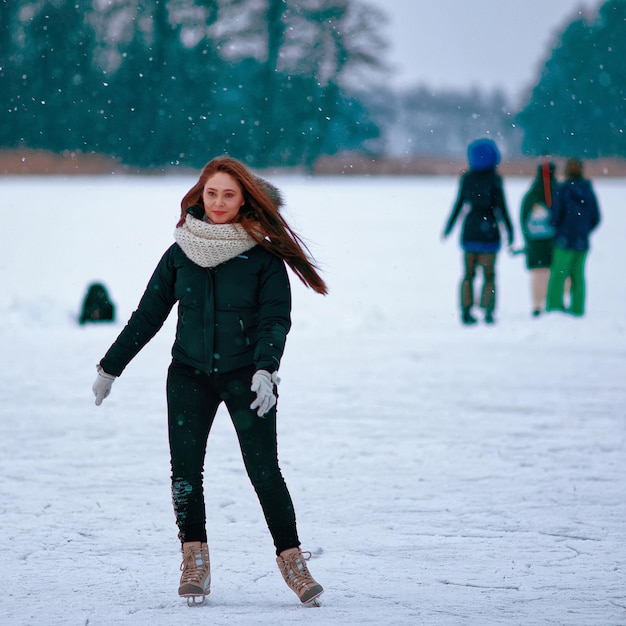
column 102, row 387
column 263, row 385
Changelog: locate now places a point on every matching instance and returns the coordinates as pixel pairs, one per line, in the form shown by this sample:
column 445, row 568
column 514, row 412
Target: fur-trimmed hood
column 272, row 191
column 483, row 154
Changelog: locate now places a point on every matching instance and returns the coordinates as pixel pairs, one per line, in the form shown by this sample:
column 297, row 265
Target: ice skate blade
column 195, row 600
column 314, row 602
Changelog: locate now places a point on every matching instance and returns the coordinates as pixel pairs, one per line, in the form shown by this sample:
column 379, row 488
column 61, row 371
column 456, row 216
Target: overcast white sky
column 462, row 43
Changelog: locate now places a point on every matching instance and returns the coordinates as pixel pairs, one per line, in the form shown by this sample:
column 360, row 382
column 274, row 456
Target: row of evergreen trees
column 579, row 103
column 160, row 81
column 577, row 107
column 419, row 122
column 274, row 82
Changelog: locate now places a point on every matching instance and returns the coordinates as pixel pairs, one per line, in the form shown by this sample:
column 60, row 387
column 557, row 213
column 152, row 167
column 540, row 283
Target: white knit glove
column 102, row 387
column 263, row 385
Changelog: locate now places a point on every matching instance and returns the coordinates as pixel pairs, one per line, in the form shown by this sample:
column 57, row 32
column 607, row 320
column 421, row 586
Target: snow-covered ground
column 441, row 474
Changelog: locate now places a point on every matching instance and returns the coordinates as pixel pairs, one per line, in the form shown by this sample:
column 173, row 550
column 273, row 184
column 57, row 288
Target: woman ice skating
column 575, row 215
column 480, row 190
column 226, row 270
column 538, row 232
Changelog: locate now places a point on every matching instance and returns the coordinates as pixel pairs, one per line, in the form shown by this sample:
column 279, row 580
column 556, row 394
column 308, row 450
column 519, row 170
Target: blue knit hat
column 483, row 154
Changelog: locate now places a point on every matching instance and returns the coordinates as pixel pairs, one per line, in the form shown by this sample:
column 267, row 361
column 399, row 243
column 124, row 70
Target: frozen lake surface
column 441, row 474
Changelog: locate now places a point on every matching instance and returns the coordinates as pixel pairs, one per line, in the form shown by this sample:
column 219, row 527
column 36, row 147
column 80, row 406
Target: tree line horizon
column 280, row 83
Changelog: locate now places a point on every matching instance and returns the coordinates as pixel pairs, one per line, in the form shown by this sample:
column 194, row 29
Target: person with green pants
column 575, row 214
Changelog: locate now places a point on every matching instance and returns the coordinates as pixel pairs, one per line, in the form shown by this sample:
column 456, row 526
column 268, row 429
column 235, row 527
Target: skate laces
column 296, row 571
column 194, row 566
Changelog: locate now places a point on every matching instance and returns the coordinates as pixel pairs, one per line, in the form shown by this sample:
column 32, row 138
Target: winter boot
column 292, row 565
column 195, row 581
column 489, row 317
column 467, row 317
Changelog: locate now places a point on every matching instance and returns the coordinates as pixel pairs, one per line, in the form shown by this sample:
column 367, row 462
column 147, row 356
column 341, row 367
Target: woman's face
column 222, row 198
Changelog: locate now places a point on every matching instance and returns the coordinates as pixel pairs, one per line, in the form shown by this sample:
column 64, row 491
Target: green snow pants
column 567, row 263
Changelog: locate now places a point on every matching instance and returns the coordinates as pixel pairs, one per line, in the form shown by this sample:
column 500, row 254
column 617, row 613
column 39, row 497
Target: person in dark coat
column 482, row 194
column 575, row 214
column 226, row 270
column 97, row 306
column 538, row 232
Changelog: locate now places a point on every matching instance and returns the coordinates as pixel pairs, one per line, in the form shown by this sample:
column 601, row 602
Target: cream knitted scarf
column 208, row 245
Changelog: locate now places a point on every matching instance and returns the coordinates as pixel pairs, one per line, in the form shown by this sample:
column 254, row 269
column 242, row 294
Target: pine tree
column 578, row 107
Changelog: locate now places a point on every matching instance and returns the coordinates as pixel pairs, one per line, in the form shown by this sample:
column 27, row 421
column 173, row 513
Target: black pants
column 193, row 399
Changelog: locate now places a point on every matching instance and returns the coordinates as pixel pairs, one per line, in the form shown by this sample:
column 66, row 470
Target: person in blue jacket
column 482, row 194
column 575, row 214
column 227, row 273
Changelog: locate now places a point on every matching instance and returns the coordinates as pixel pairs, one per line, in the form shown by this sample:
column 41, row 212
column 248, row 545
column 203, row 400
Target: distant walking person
column 575, row 214
column 538, row 232
column 481, row 192
column 227, row 273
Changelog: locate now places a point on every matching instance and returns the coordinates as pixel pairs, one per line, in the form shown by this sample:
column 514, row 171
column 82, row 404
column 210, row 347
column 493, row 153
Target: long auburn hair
column 261, row 219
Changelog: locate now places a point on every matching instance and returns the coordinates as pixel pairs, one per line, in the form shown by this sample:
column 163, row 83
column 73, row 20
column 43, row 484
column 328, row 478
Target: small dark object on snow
column 97, row 307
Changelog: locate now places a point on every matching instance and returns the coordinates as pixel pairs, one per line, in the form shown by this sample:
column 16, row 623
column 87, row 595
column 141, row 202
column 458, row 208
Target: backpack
column 538, row 223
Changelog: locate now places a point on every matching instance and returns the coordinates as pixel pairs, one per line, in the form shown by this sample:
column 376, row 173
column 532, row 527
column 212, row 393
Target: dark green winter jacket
column 482, row 191
column 234, row 315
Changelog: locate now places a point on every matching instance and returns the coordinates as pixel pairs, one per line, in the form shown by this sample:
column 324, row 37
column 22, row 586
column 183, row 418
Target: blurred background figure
column 481, row 192
column 575, row 213
column 97, row 306
column 538, row 232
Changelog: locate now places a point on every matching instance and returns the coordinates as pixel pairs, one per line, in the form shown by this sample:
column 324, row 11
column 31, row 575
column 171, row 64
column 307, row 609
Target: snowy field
column 441, row 475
